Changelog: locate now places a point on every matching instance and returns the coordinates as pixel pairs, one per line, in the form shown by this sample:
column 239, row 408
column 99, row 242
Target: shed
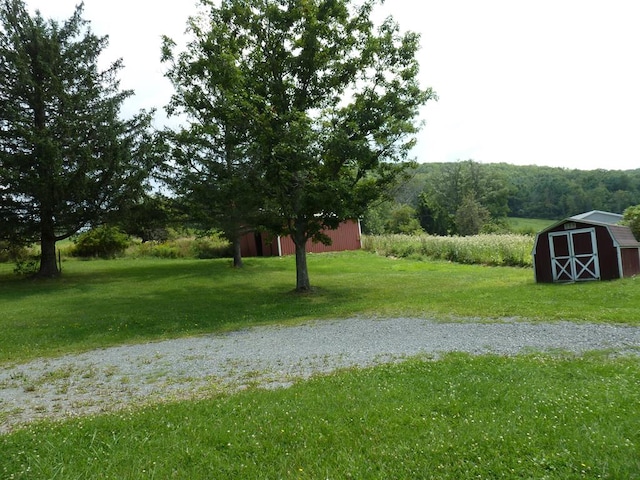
column 346, row 237
column 589, row 246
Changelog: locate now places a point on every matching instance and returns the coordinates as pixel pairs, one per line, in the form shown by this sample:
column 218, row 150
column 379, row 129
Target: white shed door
column 574, row 255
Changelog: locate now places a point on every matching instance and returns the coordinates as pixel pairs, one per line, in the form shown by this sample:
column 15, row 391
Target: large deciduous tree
column 329, row 98
column 67, row 159
column 210, row 163
column 461, row 197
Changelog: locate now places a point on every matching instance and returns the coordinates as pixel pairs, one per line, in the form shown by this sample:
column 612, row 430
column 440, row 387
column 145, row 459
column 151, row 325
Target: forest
column 467, row 197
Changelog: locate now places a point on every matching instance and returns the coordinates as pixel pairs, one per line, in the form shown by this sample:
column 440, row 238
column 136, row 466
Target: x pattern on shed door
column 574, row 255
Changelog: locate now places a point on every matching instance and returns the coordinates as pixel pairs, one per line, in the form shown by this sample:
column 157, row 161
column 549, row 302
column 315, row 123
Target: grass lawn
column 461, row 417
column 101, row 303
column 528, row 225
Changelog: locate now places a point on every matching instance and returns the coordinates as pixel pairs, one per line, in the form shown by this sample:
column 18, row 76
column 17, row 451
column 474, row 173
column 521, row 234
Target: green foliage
column 375, row 218
column 486, row 249
column 631, row 217
column 313, row 101
column 148, row 218
column 103, row 242
column 10, row 252
column 27, row 266
column 402, row 219
column 203, row 247
column 459, row 417
column 556, row 193
column 529, row 191
column 471, row 216
column 460, row 198
column 68, row 158
column 211, row 166
column 210, row 247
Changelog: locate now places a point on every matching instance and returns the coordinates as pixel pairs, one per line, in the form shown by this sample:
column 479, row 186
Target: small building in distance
column 589, row 246
column 346, row 237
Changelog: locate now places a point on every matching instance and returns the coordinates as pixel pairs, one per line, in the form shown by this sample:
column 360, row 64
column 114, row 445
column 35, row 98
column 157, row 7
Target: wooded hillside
column 467, row 197
column 542, row 192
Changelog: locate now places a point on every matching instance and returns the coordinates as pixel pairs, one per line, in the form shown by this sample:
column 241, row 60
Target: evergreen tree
column 67, row 159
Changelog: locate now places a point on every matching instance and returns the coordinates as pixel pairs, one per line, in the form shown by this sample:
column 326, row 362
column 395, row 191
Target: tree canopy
column 315, row 97
column 211, row 166
column 67, row 159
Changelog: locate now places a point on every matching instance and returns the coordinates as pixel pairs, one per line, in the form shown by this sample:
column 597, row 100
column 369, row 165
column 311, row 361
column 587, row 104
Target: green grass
column 528, row 225
column 461, row 417
column 102, row 303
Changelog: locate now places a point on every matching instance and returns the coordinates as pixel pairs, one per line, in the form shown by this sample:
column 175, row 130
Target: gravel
column 270, row 357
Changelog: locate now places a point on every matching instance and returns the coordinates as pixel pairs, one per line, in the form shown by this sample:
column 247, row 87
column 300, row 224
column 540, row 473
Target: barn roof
column 599, row 216
column 621, row 234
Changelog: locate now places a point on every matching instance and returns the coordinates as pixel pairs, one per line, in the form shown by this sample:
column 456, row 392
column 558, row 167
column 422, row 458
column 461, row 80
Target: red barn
column 590, row 246
column 346, row 237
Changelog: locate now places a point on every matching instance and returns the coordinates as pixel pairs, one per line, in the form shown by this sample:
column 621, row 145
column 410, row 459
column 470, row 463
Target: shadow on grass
column 103, row 304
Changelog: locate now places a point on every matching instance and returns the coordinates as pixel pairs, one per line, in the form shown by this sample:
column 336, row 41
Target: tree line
column 296, row 116
column 467, row 197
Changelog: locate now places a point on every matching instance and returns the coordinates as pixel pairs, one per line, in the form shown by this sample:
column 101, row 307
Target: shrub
column 632, row 218
column 27, row 266
column 103, row 242
column 10, row 252
column 210, row 247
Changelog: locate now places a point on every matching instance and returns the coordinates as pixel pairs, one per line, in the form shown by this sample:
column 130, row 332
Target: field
column 494, row 250
column 528, row 225
column 533, row 416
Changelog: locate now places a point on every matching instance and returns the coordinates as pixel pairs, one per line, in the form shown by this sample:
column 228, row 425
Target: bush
column 103, row 242
column 10, row 252
column 211, row 247
column 27, row 266
column 632, row 219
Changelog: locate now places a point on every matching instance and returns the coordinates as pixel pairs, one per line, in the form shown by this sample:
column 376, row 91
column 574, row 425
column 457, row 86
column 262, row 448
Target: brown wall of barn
column 345, row 237
column 607, row 253
column 630, row 261
column 542, row 259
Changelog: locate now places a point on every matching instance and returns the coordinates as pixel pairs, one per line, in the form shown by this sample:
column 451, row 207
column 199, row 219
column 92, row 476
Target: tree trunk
column 48, row 261
column 237, row 252
column 302, row 272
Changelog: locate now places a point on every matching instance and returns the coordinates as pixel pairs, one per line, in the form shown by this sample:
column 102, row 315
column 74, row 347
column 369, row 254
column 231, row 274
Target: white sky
column 545, row 82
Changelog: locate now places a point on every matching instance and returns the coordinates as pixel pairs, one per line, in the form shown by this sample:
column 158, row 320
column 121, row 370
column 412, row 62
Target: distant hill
column 544, row 192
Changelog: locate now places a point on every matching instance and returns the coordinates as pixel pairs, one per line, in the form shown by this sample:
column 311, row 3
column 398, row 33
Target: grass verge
column 102, row 303
column 461, row 417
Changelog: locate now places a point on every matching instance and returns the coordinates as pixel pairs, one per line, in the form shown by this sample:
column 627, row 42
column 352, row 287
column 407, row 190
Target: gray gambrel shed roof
column 598, row 216
column 621, row 234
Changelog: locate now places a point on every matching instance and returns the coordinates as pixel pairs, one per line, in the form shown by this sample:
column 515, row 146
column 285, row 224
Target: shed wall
column 346, row 237
column 607, row 253
column 542, row 259
column 630, row 261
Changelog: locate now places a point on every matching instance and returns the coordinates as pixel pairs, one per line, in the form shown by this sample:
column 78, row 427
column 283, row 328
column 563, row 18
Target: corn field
column 489, row 249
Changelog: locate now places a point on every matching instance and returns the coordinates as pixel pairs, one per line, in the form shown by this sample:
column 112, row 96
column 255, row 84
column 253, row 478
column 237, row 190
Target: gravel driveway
column 113, row 378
